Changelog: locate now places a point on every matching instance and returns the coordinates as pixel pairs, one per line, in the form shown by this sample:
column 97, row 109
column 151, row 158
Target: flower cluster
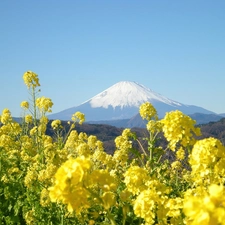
column 69, row 188
column 6, row 116
column 25, row 105
column 179, row 128
column 207, row 206
column 44, row 104
column 56, row 124
column 147, row 111
column 207, row 161
column 78, row 116
column 31, row 79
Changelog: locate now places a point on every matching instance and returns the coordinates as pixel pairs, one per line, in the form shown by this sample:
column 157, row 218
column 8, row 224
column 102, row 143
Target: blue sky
column 80, row 48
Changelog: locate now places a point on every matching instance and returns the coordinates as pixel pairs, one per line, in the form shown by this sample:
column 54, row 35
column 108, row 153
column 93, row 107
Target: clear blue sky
column 80, row 48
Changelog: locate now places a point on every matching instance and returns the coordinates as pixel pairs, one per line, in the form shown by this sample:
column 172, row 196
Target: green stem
column 141, row 147
column 151, row 154
column 62, row 220
column 124, row 219
column 0, row 160
column 62, row 217
column 151, row 141
column 176, row 178
column 34, row 105
column 113, row 222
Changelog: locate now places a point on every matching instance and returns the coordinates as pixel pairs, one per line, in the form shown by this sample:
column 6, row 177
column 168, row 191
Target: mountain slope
column 122, row 101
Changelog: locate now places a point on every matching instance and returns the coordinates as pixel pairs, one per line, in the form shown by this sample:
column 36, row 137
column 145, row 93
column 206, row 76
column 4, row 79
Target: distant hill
column 108, row 133
column 202, row 118
column 137, row 121
column 214, row 129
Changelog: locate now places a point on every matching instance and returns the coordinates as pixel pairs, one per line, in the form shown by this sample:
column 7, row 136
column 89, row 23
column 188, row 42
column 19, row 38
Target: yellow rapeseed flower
column 145, row 204
column 103, row 179
column 147, row 111
column 44, row 104
column 31, row 79
column 78, row 116
column 28, row 119
column 154, row 126
column 207, row 161
column 207, row 207
column 180, row 154
column 56, row 124
column 178, row 127
column 174, row 206
column 136, row 179
column 34, row 131
column 6, row 116
column 68, row 187
column 24, row 104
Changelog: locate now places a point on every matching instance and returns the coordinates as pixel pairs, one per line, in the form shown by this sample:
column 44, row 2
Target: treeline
column 108, row 133
column 214, row 129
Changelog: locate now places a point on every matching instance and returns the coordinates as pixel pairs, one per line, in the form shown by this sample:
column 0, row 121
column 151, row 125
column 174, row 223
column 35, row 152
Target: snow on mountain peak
column 127, row 93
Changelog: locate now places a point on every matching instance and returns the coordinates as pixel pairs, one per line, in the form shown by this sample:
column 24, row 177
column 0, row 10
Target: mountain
column 205, row 118
column 122, row 101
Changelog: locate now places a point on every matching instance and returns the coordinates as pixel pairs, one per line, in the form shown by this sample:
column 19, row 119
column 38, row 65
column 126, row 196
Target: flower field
column 68, row 178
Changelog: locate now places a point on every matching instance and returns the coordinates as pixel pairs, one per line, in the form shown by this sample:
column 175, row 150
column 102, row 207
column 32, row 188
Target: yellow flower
column 176, row 165
column 6, row 116
column 30, row 217
column 126, row 133
column 123, row 141
column 154, row 126
column 92, row 141
column 207, row 207
column 44, row 104
column 31, row 79
column 28, row 119
column 24, row 105
column 33, row 131
column 30, row 177
column 43, row 125
column 207, row 161
column 103, row 179
column 102, row 157
column 78, row 116
column 44, row 197
column 68, row 186
column 174, row 206
column 83, row 150
column 145, row 204
column 147, row 111
column 178, row 127
column 56, row 124
column 135, row 179
column 180, row 154
column 71, row 142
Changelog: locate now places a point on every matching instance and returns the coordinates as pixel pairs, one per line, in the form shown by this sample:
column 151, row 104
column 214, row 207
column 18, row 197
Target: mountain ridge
column 122, row 101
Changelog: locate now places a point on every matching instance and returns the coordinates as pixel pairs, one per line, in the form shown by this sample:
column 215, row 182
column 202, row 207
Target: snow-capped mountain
column 127, row 94
column 122, row 101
